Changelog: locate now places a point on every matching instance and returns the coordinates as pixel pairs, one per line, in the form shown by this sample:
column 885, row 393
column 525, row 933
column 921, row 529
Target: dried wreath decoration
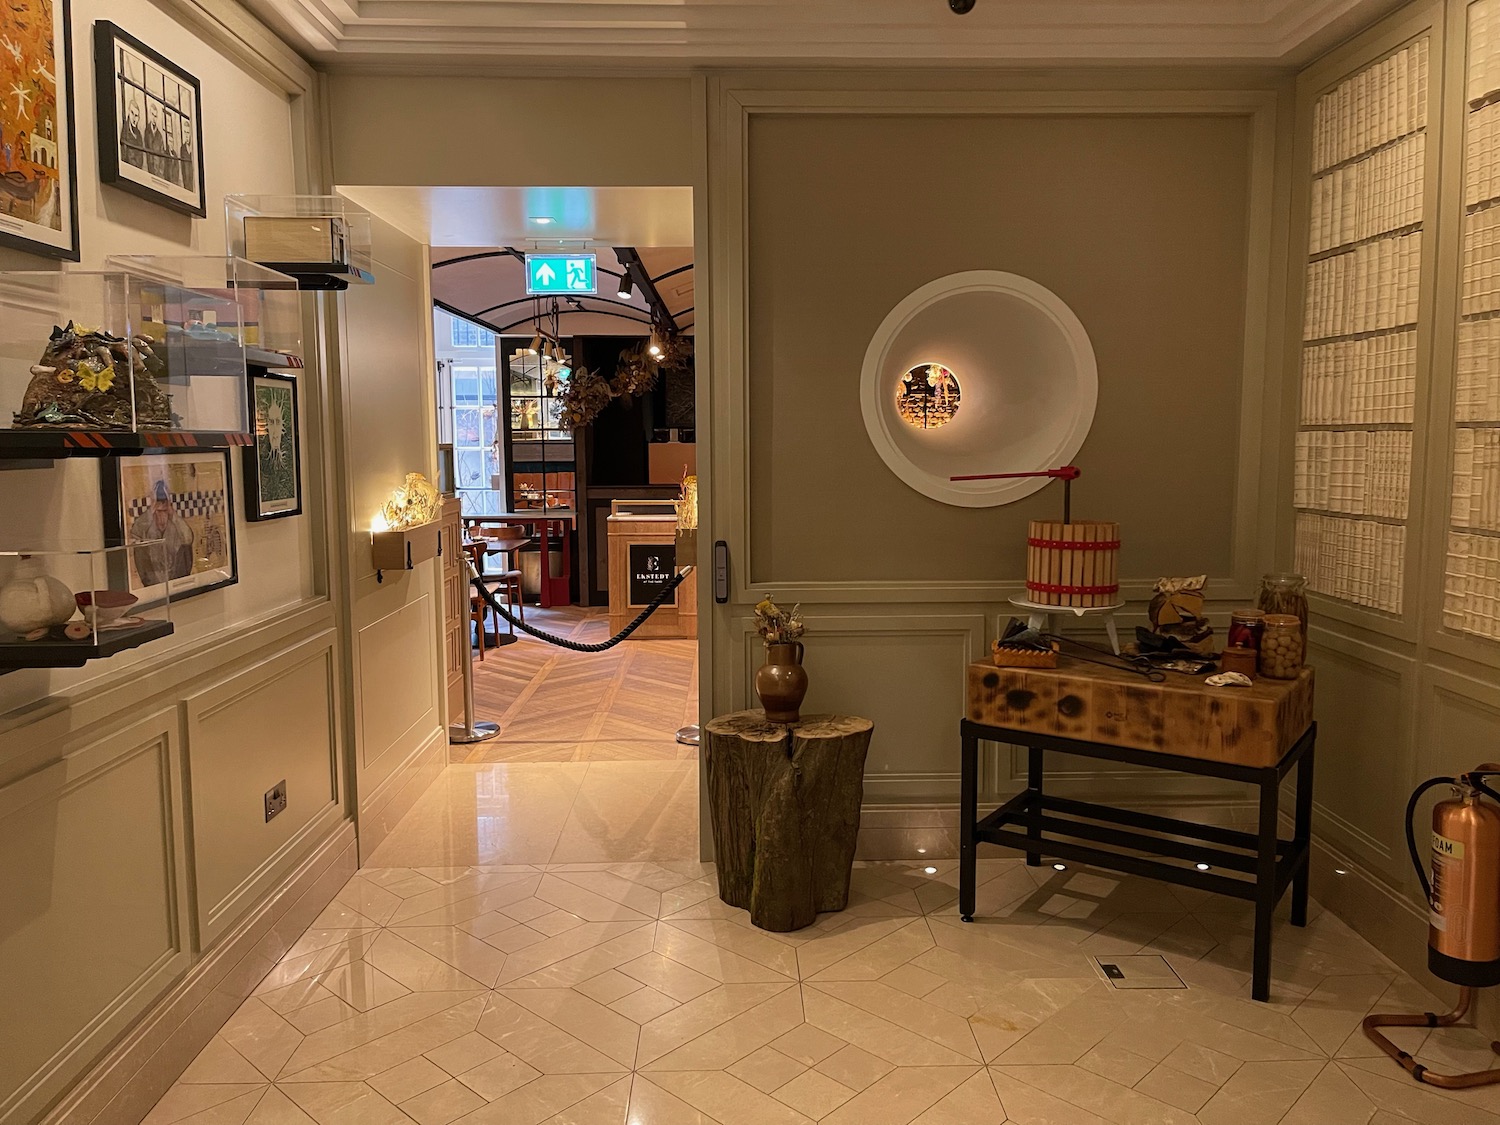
column 582, row 399
column 778, row 626
column 636, row 375
column 675, row 352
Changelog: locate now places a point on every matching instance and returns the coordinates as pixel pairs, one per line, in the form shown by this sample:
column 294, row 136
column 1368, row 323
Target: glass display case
column 263, row 306
column 542, row 454
column 146, row 353
column 322, row 240
column 65, row 605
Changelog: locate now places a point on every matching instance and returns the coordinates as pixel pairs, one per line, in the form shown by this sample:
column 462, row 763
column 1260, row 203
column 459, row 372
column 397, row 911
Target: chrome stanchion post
column 470, row 730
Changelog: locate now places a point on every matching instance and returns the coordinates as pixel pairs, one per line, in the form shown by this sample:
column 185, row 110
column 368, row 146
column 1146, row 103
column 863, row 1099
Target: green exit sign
column 561, row 273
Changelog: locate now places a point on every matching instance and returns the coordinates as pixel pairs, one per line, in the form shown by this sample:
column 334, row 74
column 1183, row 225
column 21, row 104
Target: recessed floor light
column 930, row 870
column 1339, row 871
column 1203, row 867
column 1059, row 867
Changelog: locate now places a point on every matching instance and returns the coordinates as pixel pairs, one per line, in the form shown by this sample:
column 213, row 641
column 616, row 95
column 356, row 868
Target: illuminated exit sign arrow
column 561, row 274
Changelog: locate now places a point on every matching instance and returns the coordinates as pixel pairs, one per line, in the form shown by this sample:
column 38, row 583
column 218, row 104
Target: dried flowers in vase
column 781, row 681
column 778, row 626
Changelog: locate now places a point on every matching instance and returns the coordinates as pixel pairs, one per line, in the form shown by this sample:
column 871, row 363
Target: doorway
column 544, row 474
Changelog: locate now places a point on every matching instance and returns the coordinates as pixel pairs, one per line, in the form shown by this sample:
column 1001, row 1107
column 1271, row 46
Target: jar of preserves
column 1244, row 628
column 1286, row 593
column 1281, row 646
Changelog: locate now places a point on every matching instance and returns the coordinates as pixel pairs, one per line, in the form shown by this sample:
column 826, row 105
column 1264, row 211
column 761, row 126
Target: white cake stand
column 1040, row 616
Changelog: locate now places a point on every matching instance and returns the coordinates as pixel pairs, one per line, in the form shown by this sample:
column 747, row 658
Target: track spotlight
column 536, row 345
column 627, row 283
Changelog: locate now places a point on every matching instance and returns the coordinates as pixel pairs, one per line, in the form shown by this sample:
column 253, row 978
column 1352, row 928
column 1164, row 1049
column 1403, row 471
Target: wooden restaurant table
column 1255, row 735
column 545, row 525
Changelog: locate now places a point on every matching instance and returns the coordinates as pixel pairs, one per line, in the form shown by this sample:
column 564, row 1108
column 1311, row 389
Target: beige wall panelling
column 810, row 514
column 451, row 130
column 54, row 725
column 396, row 623
column 1399, row 700
column 95, row 925
column 239, row 856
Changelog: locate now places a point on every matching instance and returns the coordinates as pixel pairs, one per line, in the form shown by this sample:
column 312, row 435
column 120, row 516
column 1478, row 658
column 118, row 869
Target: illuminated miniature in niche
column 928, row 396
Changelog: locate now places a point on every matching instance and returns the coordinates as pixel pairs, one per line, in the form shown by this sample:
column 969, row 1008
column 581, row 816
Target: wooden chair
column 507, row 541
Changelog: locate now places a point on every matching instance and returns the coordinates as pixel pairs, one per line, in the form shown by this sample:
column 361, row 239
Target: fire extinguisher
column 1463, row 897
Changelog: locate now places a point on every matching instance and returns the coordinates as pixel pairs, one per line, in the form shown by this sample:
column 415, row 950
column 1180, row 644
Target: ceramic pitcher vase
column 781, row 682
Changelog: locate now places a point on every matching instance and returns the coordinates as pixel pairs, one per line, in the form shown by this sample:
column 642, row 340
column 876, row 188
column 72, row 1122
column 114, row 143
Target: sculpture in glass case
column 94, row 380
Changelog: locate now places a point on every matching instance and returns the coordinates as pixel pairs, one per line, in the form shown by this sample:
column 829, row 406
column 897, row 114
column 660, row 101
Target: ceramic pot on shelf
column 33, row 599
column 781, row 682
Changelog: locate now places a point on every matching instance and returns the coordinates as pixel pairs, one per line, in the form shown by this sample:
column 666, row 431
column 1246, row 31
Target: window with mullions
column 463, row 334
column 468, row 405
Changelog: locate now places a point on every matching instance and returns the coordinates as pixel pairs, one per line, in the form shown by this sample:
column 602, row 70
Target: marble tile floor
column 519, row 987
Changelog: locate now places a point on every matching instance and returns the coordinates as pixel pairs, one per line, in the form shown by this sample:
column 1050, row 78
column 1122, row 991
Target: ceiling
column 488, row 285
column 654, row 33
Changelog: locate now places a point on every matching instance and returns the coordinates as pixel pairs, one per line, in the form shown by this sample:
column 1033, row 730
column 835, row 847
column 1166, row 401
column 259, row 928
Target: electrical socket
column 275, row 799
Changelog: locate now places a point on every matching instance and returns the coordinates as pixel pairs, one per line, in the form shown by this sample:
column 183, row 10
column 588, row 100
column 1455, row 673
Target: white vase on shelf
column 33, row 599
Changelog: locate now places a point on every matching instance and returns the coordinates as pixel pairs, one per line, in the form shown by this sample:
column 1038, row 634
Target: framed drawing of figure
column 273, row 485
column 38, row 170
column 150, row 122
column 181, row 504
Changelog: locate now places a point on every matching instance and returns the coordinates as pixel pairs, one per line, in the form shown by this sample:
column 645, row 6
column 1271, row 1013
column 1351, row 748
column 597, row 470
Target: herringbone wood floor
column 555, row 705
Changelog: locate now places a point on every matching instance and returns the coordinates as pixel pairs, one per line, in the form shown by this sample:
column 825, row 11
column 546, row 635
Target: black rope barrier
column 562, row 642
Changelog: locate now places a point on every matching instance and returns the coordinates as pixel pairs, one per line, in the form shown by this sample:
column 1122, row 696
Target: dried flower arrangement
column 778, row 626
column 583, row 397
column 636, row 375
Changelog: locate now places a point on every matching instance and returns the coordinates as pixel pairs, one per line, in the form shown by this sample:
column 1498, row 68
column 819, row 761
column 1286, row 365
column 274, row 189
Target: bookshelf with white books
column 1472, row 573
column 1361, row 307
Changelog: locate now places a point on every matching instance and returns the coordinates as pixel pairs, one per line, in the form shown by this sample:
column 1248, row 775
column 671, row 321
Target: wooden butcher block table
column 1255, row 735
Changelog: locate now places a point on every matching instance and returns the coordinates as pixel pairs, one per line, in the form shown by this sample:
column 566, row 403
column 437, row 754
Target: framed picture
column 180, row 504
column 150, row 122
column 38, row 166
column 273, row 464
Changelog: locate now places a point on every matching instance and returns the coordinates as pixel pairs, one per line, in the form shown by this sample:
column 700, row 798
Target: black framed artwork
column 38, row 155
column 273, row 462
column 175, row 511
column 150, row 122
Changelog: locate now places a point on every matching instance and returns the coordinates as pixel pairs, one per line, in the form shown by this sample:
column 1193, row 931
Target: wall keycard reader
column 721, row 572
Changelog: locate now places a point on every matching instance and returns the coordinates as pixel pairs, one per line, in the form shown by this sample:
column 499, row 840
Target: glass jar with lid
column 1244, row 628
column 1281, row 645
column 1286, row 593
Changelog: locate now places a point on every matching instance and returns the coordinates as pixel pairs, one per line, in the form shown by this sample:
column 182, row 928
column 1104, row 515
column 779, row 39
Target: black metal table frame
column 1273, row 863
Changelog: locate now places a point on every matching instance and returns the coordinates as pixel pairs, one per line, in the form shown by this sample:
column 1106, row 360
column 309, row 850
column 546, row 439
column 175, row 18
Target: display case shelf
column 54, row 445
column 65, row 605
column 322, row 240
column 148, row 353
column 57, row 651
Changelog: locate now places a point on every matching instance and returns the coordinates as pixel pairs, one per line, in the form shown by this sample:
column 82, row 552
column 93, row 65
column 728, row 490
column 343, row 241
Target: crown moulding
column 786, row 32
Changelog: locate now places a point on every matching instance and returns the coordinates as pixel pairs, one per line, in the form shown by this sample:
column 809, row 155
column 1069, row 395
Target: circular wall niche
column 1030, row 385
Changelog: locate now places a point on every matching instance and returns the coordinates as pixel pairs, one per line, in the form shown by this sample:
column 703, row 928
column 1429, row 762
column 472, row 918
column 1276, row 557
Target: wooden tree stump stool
column 784, row 801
